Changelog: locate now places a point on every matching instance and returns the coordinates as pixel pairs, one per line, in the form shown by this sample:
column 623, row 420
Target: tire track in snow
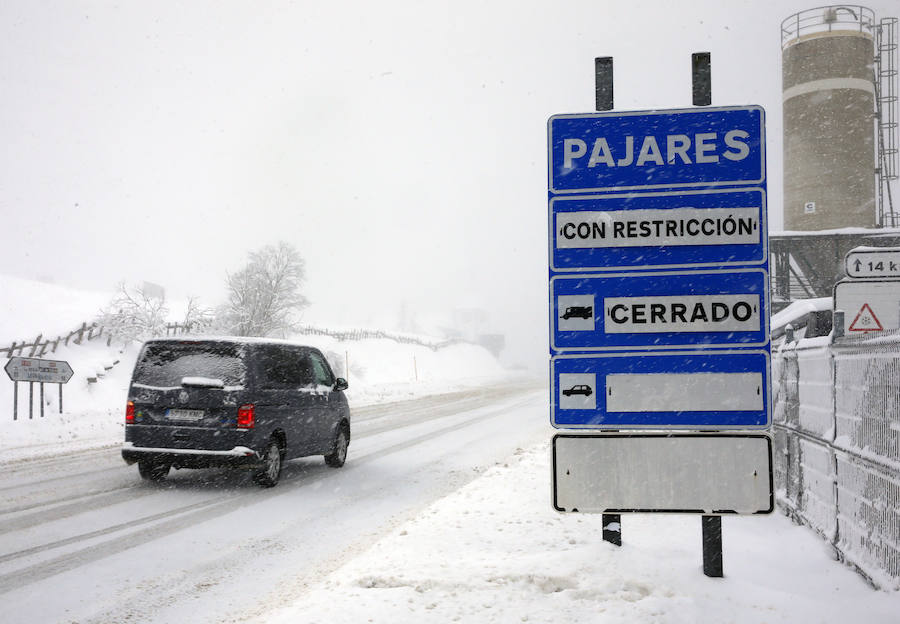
column 187, row 516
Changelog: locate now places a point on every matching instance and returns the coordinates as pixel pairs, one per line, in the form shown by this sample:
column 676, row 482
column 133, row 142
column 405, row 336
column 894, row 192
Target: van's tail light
column 246, row 416
column 129, row 412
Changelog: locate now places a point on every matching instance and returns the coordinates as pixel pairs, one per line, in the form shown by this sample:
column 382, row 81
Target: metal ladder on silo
column 886, row 117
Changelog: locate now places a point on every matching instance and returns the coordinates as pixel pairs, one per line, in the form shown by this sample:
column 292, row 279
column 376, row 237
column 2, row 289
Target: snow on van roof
column 231, row 339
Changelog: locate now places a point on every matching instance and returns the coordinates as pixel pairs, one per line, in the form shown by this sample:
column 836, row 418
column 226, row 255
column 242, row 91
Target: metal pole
column 30, row 400
column 60, row 398
column 612, row 529
column 701, row 75
column 603, row 87
column 15, row 400
column 603, row 83
column 837, row 325
column 712, row 546
column 42, row 399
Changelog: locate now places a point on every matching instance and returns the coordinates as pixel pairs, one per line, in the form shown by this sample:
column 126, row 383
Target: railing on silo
column 831, row 18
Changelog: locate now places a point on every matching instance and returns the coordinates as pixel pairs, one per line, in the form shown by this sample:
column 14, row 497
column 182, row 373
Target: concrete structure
column 829, row 121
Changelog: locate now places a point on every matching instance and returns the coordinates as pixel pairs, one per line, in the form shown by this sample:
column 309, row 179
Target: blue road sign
column 664, row 310
column 705, row 228
column 695, row 147
column 693, row 390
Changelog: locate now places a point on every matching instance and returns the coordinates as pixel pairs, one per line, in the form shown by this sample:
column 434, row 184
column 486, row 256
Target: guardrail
column 837, row 446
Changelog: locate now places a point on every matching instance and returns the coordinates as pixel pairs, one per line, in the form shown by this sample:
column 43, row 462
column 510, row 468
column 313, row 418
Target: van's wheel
column 338, row 456
column 271, row 468
column 153, row 470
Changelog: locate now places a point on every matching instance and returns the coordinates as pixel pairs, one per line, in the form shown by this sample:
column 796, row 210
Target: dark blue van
column 196, row 403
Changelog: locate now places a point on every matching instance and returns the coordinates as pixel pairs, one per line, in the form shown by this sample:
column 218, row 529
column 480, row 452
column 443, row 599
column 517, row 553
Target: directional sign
column 37, row 370
column 632, row 311
column 675, row 473
column 710, row 228
column 868, row 305
column 696, row 147
column 696, row 390
column 872, row 262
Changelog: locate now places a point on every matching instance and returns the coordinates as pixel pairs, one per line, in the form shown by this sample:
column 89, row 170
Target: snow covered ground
column 495, row 551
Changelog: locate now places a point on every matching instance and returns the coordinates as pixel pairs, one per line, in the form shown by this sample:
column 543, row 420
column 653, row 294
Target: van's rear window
column 165, row 364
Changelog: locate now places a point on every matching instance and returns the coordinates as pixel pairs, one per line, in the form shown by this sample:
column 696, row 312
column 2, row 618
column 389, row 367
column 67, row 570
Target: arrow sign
column 37, row 370
column 872, row 262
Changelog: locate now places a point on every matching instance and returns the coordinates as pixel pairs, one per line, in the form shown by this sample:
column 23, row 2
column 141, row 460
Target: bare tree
column 197, row 319
column 133, row 314
column 264, row 297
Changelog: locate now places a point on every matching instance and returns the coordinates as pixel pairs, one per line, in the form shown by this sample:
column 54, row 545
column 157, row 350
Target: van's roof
column 229, row 339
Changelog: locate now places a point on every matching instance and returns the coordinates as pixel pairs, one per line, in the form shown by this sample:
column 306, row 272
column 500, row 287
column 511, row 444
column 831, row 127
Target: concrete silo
column 829, row 122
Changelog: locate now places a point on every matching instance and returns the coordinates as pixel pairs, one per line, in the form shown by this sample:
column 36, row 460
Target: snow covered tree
column 197, row 319
column 264, row 297
column 134, row 314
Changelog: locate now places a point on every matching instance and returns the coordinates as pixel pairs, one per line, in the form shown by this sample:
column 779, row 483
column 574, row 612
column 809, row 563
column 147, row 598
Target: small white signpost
column 35, row 370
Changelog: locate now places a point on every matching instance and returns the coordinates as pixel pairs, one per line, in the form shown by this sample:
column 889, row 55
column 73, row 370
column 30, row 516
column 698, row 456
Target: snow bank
column 495, row 551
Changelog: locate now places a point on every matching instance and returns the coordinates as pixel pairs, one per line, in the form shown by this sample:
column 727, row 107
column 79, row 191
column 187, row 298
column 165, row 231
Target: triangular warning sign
column 866, row 320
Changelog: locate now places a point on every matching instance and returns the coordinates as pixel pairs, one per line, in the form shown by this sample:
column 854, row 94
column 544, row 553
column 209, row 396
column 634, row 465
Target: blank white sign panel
column 684, row 392
column 676, row 473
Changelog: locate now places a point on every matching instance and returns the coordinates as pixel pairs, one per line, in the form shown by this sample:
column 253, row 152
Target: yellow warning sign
column 866, row 320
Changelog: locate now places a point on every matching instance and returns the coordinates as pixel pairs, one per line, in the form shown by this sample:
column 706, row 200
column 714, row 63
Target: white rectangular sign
column 643, row 228
column 682, row 313
column 873, row 263
column 868, row 305
column 684, row 392
column 675, row 473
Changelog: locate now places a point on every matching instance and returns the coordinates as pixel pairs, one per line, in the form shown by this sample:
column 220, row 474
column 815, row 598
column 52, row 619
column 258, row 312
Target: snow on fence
column 88, row 331
column 39, row 346
column 91, row 331
column 368, row 334
column 837, row 446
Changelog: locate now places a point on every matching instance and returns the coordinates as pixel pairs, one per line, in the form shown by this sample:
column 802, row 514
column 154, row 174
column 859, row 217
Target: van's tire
column 338, row 455
column 153, row 470
column 271, row 468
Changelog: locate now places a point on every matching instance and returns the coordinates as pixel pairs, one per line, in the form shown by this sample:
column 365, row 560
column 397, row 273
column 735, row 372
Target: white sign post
column 35, row 370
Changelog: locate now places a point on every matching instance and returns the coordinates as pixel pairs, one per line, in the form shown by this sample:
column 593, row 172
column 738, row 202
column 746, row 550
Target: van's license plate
column 185, row 414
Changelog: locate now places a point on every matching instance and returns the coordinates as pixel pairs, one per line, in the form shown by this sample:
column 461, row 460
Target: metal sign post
column 35, row 370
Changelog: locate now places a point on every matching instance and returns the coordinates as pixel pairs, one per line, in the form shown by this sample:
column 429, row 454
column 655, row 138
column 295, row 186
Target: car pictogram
column 578, row 389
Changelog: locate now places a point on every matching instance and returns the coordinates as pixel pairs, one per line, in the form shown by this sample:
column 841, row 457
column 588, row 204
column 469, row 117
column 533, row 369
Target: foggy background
column 400, row 146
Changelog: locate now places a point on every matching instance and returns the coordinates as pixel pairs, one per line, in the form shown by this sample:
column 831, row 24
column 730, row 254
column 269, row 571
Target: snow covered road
column 82, row 539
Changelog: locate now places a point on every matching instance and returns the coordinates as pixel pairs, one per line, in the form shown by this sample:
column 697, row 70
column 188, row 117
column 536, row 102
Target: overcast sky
column 399, row 145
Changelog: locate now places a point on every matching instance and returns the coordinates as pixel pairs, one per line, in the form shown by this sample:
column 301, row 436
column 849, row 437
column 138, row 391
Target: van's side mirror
column 341, row 384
